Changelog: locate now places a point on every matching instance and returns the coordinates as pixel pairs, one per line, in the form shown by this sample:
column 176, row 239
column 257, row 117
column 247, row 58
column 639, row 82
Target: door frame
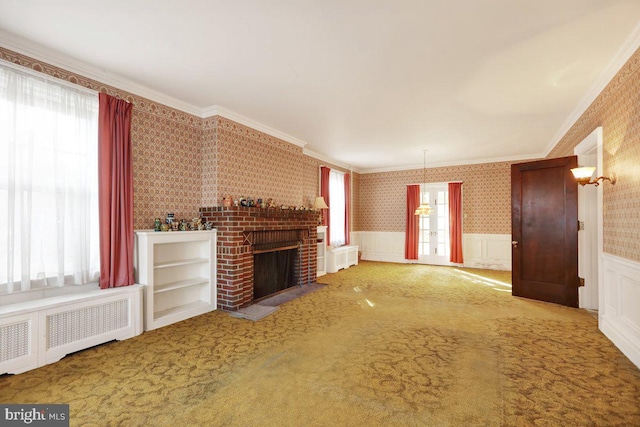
column 434, row 259
column 594, row 142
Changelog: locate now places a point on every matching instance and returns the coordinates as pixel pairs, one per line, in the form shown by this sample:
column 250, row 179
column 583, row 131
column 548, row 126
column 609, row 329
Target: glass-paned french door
column 433, row 246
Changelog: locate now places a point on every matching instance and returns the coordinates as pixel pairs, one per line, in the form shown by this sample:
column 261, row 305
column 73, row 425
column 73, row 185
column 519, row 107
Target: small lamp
column 319, row 203
column 583, row 176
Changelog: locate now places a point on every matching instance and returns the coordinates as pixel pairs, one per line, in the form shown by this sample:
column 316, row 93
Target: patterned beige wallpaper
column 617, row 110
column 310, row 179
column 167, row 169
column 253, row 164
column 167, row 148
column 355, row 202
column 486, row 197
column 209, row 162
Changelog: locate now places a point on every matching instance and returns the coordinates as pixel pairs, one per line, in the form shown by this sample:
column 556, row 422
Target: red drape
column 347, row 208
column 413, row 222
column 115, row 192
column 455, row 221
column 324, row 192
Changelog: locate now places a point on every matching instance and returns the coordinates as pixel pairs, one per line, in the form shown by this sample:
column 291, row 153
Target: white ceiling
column 368, row 83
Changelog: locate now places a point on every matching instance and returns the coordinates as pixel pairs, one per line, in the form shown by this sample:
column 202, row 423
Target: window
column 48, row 182
column 337, row 209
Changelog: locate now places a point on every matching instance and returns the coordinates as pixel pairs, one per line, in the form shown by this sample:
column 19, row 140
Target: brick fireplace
column 243, row 230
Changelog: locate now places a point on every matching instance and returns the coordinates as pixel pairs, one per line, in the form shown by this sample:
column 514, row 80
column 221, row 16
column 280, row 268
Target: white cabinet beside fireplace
column 178, row 270
column 322, row 251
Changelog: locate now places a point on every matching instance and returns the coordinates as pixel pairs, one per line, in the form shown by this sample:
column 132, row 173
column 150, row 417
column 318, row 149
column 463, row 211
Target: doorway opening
column 433, row 243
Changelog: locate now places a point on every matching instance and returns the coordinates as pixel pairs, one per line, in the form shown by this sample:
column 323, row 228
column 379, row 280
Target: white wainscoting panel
column 619, row 318
column 492, row 251
column 385, row 246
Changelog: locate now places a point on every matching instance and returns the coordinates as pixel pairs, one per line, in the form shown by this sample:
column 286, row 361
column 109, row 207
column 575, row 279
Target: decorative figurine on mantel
column 196, row 223
column 227, row 201
column 157, row 224
column 243, row 201
column 271, row 203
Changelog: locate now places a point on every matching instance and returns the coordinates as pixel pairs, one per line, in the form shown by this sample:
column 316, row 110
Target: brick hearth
column 238, row 230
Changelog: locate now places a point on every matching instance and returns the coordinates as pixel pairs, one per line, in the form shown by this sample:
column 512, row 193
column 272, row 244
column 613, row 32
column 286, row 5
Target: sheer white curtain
column 48, row 182
column 337, row 208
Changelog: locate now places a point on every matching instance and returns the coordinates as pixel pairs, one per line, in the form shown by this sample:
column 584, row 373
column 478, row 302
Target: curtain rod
column 336, row 170
column 436, row 183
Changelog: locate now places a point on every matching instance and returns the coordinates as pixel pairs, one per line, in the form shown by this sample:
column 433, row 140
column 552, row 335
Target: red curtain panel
column 324, row 192
column 413, row 222
column 347, row 208
column 115, row 192
column 455, row 221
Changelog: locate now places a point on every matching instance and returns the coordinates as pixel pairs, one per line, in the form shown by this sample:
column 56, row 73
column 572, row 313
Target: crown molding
column 621, row 57
column 42, row 53
column 217, row 110
column 328, row 159
column 451, row 164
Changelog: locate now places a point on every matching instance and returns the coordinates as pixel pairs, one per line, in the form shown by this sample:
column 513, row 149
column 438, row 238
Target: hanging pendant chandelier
column 424, row 208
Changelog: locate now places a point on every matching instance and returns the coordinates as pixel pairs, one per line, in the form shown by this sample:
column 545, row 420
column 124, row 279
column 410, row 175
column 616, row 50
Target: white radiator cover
column 43, row 331
column 15, row 340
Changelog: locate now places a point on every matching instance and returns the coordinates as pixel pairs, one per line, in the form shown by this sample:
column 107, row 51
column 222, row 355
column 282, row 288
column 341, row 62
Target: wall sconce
column 583, row 176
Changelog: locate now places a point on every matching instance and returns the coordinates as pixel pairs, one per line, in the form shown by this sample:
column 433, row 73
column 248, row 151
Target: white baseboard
column 619, row 314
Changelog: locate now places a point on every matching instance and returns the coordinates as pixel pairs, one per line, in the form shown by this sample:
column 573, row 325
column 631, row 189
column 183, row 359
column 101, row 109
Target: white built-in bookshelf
column 178, row 271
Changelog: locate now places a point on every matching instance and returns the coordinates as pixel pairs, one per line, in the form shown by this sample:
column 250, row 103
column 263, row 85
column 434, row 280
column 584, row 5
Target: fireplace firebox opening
column 274, row 270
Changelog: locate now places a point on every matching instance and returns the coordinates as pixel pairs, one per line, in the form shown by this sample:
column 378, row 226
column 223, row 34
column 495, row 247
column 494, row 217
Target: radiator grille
column 75, row 325
column 14, row 340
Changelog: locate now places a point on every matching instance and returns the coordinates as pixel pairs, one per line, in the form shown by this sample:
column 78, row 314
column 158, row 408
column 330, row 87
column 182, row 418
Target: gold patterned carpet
column 381, row 345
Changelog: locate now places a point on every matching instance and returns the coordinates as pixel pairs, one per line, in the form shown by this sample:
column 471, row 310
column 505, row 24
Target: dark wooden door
column 544, row 222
